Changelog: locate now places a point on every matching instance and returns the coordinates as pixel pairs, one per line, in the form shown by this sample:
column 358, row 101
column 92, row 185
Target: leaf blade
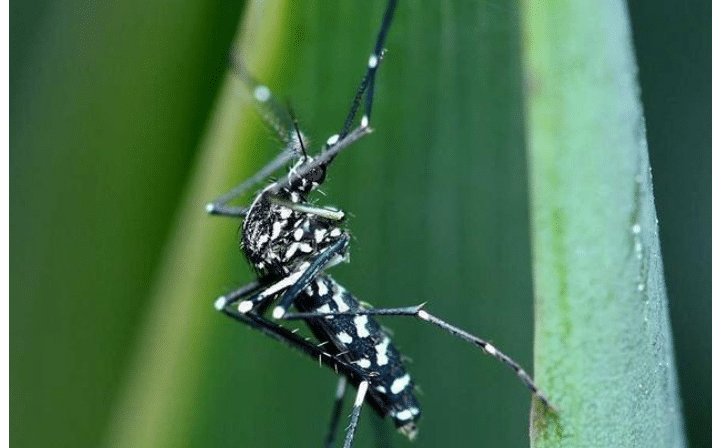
column 603, row 342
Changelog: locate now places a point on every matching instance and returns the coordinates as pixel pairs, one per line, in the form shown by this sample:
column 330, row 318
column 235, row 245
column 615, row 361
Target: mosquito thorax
column 278, row 234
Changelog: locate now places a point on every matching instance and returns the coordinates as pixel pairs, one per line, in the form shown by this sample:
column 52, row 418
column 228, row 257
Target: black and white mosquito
column 292, row 243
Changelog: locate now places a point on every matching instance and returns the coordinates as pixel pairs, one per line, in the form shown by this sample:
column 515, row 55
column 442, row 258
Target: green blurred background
column 109, row 103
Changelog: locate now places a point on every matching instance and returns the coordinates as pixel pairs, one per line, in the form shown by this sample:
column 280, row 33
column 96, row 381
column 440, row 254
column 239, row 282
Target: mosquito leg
column 254, row 294
column 376, row 56
column 420, row 313
column 339, row 141
column 363, row 387
column 368, row 81
column 336, row 413
column 226, row 299
column 289, row 338
column 324, row 259
column 220, row 207
column 328, row 213
column 253, row 297
column 332, row 360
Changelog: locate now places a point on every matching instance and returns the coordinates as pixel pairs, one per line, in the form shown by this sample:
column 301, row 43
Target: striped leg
column 349, row 373
column 369, row 79
column 419, row 313
column 321, row 262
column 290, row 338
column 363, row 387
column 255, row 295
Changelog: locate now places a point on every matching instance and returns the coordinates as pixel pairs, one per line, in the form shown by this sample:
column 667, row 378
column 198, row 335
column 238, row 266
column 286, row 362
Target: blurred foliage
column 108, row 105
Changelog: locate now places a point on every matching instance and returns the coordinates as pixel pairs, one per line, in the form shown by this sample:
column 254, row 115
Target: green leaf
column 603, row 342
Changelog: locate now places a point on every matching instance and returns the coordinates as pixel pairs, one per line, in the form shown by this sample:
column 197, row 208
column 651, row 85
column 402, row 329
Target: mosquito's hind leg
column 419, row 313
column 363, row 388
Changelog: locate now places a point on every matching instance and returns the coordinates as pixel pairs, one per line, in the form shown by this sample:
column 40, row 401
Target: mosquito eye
column 317, row 175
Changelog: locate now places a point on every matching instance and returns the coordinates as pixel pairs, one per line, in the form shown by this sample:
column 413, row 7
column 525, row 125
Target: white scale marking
column 338, row 299
column 325, row 309
column 336, row 232
column 285, row 283
column 404, row 415
column 276, row 230
column 245, row 306
column 285, row 213
column 305, row 247
column 298, row 234
column 344, row 337
column 363, row 387
column 373, row 61
column 381, row 349
column 360, row 322
column 364, row 363
column 291, row 250
column 490, row 349
column 322, row 289
column 263, row 239
column 319, row 234
column 332, row 140
column 400, row 384
column 220, row 303
column 278, row 312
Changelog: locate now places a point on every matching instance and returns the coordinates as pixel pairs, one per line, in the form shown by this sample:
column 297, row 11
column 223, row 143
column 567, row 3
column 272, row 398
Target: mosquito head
column 306, row 176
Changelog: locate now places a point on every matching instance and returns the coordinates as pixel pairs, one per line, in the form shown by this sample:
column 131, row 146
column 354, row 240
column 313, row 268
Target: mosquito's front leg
column 324, row 212
column 220, row 207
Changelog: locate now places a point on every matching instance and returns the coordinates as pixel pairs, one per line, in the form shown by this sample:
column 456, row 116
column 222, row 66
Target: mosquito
column 291, row 244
